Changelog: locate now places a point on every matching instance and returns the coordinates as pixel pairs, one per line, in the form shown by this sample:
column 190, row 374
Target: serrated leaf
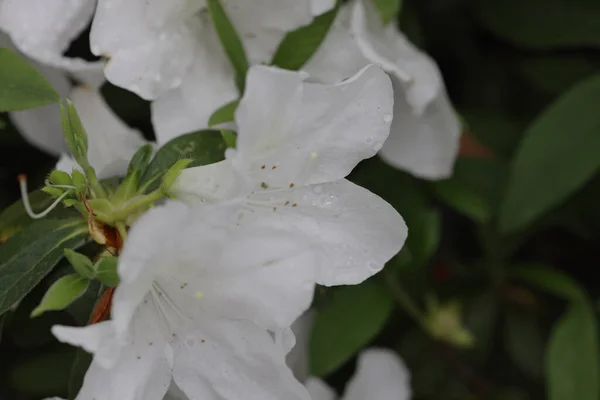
column 562, row 23
column 202, row 147
column 389, row 9
column 31, row 254
column 21, row 86
column 230, row 40
column 61, row 294
column 544, row 171
column 572, row 365
column 355, row 315
column 224, row 114
column 300, row 45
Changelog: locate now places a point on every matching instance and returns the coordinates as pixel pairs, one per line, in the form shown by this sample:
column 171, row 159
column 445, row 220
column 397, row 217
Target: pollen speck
column 292, row 185
column 263, row 185
column 262, row 167
column 294, row 205
column 199, row 295
column 274, row 166
column 149, row 343
column 286, row 203
column 139, row 358
column 274, row 208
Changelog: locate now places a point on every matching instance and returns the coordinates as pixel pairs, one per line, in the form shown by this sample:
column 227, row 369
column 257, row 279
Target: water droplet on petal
column 369, row 140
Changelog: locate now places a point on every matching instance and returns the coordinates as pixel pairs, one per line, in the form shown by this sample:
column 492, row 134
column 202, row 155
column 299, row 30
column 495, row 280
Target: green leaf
column 21, row 86
column 31, row 254
column 140, row 160
column 230, row 40
column 474, row 189
column 563, row 22
column 81, row 263
column 549, row 280
column 355, row 315
column 389, row 9
column 557, row 156
column 572, row 365
column 106, row 270
column 224, row 114
column 14, row 217
column 525, row 343
column 555, row 74
column 75, row 134
column 202, row 147
column 300, row 45
column 44, row 374
column 61, row 294
column 229, row 137
column 79, row 368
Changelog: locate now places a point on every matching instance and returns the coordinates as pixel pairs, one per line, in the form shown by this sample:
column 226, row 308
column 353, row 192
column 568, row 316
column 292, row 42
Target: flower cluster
column 216, row 264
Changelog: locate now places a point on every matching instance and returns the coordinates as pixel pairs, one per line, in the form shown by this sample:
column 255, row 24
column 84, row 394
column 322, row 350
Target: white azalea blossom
column 196, row 297
column 155, row 46
column 44, row 29
column 425, row 134
column 296, row 143
column 380, row 375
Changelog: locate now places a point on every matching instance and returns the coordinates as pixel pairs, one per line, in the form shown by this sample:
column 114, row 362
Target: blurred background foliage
column 494, row 295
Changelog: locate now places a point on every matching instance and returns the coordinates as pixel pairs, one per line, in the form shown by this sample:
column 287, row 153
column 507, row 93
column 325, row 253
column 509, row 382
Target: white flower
column 155, row 45
column 296, row 143
column 43, row 29
column 425, row 133
column 196, row 297
column 380, row 375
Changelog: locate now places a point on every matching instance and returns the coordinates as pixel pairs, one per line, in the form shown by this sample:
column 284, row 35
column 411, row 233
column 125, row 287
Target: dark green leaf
column 61, row 294
column 555, row 74
column 572, row 364
column 29, row 255
column 106, row 270
column 300, row 45
column 80, row 263
column 44, row 374
column 550, row 280
column 474, row 189
column 558, row 154
column 230, row 40
column 202, row 147
column 140, row 160
column 498, row 131
column 563, row 22
column 14, row 217
column 388, row 9
column 481, row 317
column 355, row 315
column 525, row 343
column 80, row 366
column 224, row 114
column 21, row 86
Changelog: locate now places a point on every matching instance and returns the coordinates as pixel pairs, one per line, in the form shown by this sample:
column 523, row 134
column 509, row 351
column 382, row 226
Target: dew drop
column 369, row 140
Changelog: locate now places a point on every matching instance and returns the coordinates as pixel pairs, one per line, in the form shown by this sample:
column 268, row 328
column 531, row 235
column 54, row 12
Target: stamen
column 23, row 186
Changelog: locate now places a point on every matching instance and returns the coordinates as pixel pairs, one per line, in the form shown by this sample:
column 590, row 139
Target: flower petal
column 262, row 24
column 355, row 231
column 208, row 85
column 43, row 29
column 297, row 358
column 303, row 133
column 150, row 46
column 111, row 142
column 98, row 339
column 234, row 359
column 380, row 373
column 386, row 46
column 425, row 145
column 144, row 365
column 319, row 390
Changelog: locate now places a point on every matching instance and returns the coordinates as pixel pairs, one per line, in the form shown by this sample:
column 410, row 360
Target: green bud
column 106, row 270
column 60, row 178
column 74, row 133
column 81, row 264
column 172, row 174
column 79, row 181
column 53, row 191
column 62, row 293
column 140, row 160
column 444, row 322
